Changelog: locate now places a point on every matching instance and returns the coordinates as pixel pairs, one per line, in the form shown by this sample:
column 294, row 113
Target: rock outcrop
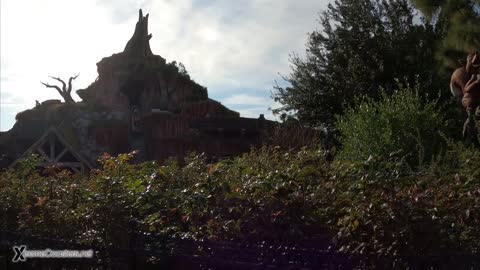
column 138, row 78
column 138, row 102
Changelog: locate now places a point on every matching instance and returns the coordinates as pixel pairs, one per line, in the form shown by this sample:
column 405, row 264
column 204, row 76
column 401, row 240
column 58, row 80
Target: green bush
column 380, row 206
column 399, row 122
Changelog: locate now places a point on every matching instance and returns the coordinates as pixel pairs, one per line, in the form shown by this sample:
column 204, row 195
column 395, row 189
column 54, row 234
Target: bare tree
column 64, row 91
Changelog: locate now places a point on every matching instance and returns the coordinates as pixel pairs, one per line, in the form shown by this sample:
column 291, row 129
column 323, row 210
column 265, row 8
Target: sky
column 237, row 49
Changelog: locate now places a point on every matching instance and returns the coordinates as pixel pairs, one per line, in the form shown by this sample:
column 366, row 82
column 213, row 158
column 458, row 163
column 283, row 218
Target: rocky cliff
column 137, row 77
column 138, row 102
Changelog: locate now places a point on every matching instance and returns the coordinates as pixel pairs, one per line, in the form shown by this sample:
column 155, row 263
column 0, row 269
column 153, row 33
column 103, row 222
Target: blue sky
column 234, row 48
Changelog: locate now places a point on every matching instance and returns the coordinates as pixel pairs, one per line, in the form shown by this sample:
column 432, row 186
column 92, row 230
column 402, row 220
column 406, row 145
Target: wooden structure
column 56, row 151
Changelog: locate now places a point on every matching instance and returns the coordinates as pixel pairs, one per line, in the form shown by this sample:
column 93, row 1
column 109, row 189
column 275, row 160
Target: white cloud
column 243, row 99
column 16, row 105
column 225, row 45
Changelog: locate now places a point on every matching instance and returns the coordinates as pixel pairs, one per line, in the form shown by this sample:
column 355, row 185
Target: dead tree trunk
column 139, row 44
column 65, row 92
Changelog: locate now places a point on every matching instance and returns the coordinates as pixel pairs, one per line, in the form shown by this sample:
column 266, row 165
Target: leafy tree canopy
column 459, row 22
column 362, row 46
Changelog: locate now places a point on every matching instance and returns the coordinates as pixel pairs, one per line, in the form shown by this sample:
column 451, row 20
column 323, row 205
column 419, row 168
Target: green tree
column 458, row 21
column 401, row 122
column 362, row 45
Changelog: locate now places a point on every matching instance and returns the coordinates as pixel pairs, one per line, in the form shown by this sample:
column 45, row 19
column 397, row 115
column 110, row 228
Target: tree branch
column 53, row 86
column 64, row 85
column 69, row 90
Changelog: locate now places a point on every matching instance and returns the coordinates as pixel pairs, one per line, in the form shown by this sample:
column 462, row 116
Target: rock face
column 138, row 78
column 138, row 102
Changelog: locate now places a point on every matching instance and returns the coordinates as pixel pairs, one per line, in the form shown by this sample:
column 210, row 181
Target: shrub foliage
column 379, row 206
column 401, row 122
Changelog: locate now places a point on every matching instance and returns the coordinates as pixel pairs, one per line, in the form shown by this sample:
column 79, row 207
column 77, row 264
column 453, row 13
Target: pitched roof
column 65, row 156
